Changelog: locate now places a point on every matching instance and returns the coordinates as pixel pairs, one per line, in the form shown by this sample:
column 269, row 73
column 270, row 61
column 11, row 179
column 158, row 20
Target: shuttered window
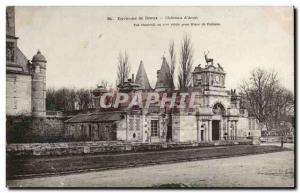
column 154, row 127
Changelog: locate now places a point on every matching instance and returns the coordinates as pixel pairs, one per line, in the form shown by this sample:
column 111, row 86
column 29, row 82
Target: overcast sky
column 82, row 46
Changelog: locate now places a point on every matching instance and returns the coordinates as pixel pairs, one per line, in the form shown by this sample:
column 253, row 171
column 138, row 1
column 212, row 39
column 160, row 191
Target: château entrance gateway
column 139, row 113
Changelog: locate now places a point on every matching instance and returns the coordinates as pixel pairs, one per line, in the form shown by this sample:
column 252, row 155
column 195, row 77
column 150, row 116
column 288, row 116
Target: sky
column 82, row 46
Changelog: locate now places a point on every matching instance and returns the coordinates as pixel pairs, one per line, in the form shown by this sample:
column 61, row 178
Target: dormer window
column 37, row 69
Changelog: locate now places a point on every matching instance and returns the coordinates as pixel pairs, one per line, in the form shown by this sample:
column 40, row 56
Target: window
column 154, row 127
column 250, row 125
column 82, row 130
column 98, row 129
column 90, row 131
column 10, row 52
column 242, row 111
column 137, row 124
column 131, row 124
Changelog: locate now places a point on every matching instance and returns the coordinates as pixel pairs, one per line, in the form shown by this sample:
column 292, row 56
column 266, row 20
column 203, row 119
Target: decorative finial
column 220, row 66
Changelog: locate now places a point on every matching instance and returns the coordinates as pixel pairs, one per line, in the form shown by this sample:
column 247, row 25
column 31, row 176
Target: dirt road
column 261, row 170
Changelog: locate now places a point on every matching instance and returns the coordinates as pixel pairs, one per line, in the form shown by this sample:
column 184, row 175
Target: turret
column 142, row 78
column 97, row 93
column 163, row 78
column 38, row 97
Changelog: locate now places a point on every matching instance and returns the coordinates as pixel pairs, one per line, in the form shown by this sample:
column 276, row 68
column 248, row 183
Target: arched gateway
column 219, row 112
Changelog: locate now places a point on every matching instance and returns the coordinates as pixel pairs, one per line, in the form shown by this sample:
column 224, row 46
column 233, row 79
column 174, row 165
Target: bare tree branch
column 186, row 62
column 123, row 71
column 265, row 99
column 172, row 62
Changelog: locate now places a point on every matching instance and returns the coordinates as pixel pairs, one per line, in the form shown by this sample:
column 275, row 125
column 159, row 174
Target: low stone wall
column 277, row 139
column 73, row 148
column 27, row 129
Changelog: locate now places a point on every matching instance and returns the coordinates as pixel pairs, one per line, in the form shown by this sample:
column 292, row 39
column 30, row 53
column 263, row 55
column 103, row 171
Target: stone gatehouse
column 219, row 115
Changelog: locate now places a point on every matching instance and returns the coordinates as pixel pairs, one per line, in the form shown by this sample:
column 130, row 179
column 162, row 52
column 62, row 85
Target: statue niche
column 218, row 109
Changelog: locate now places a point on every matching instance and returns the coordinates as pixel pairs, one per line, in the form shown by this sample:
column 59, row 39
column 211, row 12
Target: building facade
column 218, row 116
column 25, row 79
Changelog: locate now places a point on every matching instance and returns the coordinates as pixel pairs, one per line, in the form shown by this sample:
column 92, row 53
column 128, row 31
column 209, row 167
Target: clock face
column 217, row 79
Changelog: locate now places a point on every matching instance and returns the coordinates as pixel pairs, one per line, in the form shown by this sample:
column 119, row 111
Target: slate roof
column 163, row 75
column 129, row 86
column 39, row 57
column 142, row 78
column 22, row 65
column 98, row 117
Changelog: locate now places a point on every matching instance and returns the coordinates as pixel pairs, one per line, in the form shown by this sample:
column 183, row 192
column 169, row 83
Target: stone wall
column 188, row 128
column 18, row 94
column 96, row 147
column 134, row 124
column 27, row 129
column 92, row 131
column 248, row 126
column 121, row 130
column 175, row 128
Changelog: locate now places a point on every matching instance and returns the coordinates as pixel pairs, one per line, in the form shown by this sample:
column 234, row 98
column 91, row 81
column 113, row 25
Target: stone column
column 142, row 127
column 227, row 130
column 127, row 127
column 206, row 133
column 209, row 130
column 221, row 131
column 199, row 129
column 235, row 126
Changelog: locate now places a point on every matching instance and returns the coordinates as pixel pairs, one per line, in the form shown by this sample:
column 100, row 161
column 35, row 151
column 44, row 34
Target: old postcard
column 150, row 97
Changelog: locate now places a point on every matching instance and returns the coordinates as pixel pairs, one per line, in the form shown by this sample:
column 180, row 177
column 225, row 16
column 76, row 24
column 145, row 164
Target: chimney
column 132, row 78
column 157, row 73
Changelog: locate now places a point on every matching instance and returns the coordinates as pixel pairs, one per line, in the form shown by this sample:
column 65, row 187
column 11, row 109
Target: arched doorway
column 218, row 109
column 216, row 130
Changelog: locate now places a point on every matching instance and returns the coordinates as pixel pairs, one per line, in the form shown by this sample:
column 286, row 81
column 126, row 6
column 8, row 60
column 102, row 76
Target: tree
column 64, row 99
column 85, row 99
column 172, row 62
column 186, row 63
column 266, row 99
column 50, row 99
column 123, row 68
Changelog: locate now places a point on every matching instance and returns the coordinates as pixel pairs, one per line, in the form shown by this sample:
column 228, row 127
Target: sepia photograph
column 156, row 97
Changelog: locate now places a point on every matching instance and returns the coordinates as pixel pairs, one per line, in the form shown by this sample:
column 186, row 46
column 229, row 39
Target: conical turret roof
column 39, row 57
column 163, row 75
column 142, row 78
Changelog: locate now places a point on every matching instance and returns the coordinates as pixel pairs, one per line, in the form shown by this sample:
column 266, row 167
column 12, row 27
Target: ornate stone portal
column 219, row 116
